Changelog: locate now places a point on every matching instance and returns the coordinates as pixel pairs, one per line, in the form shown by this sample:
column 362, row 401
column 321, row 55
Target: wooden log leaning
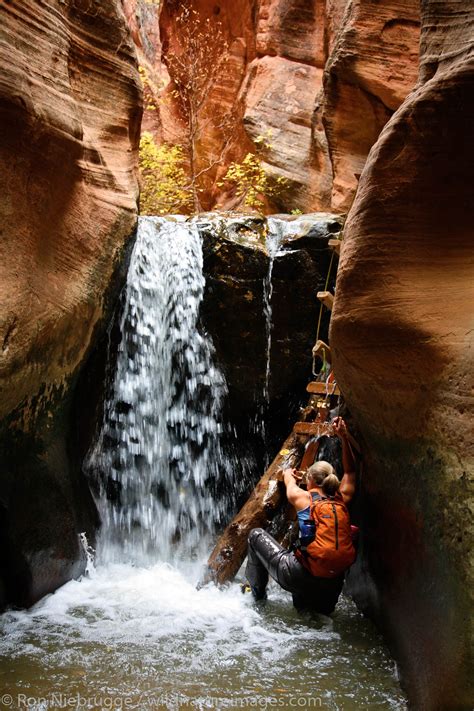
column 267, row 497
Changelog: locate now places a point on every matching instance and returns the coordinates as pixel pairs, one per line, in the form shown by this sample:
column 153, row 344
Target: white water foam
column 159, row 457
column 147, row 633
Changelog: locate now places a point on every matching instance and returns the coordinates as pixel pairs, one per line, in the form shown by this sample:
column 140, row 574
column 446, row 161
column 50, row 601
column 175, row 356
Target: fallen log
column 262, row 506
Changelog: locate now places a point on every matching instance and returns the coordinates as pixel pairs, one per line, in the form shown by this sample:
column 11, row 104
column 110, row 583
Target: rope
column 320, row 318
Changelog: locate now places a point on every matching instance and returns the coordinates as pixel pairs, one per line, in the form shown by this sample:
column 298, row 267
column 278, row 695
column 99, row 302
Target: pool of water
column 145, row 638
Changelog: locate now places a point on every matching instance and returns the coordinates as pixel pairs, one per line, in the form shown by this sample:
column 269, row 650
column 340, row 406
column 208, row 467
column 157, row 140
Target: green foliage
column 250, row 181
column 163, row 180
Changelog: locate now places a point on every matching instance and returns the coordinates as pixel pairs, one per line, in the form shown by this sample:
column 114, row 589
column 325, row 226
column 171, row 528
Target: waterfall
column 279, row 234
column 135, row 632
column 159, row 458
column 274, row 239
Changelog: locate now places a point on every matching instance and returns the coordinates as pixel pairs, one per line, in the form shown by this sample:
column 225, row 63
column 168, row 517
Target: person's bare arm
column 296, row 496
column 348, row 482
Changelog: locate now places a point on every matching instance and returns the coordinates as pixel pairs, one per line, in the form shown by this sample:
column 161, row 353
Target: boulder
column 279, row 97
column 401, row 336
column 70, row 108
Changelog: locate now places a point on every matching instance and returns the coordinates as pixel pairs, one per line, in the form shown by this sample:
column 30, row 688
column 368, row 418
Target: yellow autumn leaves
column 163, row 178
column 166, row 187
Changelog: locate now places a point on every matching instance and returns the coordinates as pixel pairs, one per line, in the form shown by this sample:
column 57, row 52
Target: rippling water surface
column 146, row 638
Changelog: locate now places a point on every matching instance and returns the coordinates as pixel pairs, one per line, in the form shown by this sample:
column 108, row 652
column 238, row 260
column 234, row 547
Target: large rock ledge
column 402, row 339
column 70, row 109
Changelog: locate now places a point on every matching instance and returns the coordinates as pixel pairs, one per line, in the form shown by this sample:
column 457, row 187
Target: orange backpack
column 332, row 550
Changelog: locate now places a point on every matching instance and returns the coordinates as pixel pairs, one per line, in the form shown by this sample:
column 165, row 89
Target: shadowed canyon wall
column 402, row 337
column 70, row 107
column 323, row 76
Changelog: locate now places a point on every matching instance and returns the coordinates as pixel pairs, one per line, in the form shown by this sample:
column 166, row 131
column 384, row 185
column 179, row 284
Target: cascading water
column 273, row 242
column 279, row 234
column 137, row 634
column 159, row 453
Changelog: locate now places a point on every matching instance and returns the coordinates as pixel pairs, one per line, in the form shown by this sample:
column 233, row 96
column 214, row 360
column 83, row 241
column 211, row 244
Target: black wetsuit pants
column 267, row 557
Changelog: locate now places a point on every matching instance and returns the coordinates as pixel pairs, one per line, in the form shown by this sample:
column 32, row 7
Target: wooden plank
column 313, row 428
column 327, row 298
column 266, row 500
column 336, row 245
column 322, row 350
column 321, row 388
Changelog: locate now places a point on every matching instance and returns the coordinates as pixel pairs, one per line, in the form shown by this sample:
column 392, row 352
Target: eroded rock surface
column 373, row 65
column 70, row 110
column 402, row 341
column 323, row 76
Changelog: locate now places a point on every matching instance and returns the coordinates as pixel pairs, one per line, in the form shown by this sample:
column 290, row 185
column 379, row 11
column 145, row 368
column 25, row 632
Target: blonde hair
column 330, row 485
column 318, row 472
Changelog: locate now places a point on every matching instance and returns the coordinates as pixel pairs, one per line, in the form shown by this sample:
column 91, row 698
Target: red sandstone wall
column 323, row 76
column 402, row 337
column 70, row 109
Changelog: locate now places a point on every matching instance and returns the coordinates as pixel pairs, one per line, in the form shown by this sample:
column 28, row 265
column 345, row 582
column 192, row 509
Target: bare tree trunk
column 262, row 506
column 192, row 160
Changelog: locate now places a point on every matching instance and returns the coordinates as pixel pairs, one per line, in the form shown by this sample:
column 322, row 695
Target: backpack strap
column 315, row 498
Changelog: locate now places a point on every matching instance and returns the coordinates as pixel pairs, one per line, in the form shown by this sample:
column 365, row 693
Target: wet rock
column 69, row 116
column 236, row 265
column 402, row 341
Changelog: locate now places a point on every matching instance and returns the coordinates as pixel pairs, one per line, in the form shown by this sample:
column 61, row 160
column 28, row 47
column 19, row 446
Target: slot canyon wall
column 402, row 338
column 70, row 110
column 323, row 76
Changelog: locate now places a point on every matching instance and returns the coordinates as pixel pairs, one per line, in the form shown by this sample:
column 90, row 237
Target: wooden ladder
column 298, row 451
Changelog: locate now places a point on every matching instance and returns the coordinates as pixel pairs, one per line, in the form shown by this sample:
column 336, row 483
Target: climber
column 313, row 571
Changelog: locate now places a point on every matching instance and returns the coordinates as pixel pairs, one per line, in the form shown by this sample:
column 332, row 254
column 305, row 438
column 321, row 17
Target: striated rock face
column 70, row 118
column 373, row 65
column 284, row 108
column 323, row 76
column 402, row 340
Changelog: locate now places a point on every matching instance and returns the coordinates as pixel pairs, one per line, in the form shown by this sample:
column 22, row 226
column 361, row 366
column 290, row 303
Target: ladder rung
column 322, row 350
column 327, row 298
column 321, row 388
column 312, row 428
column 336, row 245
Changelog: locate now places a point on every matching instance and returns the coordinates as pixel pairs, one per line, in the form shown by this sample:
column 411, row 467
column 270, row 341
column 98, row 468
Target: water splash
column 89, row 553
column 159, row 455
column 148, row 636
